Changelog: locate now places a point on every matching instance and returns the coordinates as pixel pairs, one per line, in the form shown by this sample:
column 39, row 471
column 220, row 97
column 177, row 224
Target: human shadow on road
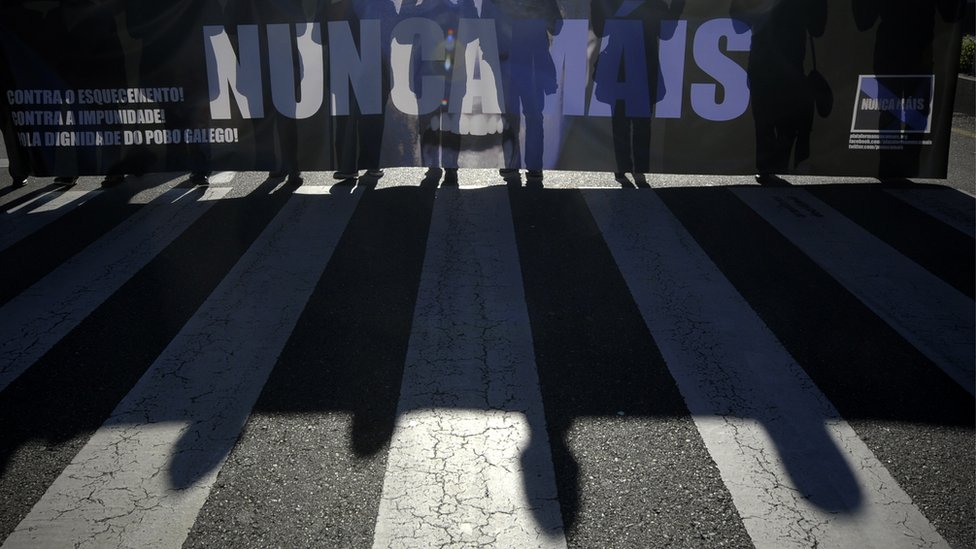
column 784, row 94
column 605, row 387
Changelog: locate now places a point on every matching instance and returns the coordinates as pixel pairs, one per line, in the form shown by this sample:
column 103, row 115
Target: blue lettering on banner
column 236, row 76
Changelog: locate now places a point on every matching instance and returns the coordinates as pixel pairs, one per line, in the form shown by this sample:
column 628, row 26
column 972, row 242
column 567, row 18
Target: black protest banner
column 824, row 87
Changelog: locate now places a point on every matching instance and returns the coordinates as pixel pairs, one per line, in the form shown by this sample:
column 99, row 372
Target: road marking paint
column 24, row 219
column 964, row 132
column 934, row 317
column 144, row 475
column 222, row 178
column 469, row 463
column 35, row 320
column 950, row 206
column 798, row 474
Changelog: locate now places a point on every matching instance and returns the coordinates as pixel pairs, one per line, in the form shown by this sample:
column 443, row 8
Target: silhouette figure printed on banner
column 82, row 33
column 283, row 156
column 440, row 139
column 165, row 51
column 904, row 46
column 524, row 31
column 18, row 158
column 358, row 134
column 618, row 23
column 784, row 95
column 26, row 63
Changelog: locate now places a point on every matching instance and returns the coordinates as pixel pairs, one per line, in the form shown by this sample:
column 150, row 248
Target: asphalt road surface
column 700, row 363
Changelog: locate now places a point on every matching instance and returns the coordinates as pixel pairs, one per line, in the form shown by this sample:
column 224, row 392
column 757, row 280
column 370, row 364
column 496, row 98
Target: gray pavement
column 705, row 363
column 4, row 162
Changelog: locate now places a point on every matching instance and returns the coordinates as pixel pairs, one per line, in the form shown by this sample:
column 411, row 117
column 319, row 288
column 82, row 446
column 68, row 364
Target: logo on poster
column 892, row 112
column 894, row 104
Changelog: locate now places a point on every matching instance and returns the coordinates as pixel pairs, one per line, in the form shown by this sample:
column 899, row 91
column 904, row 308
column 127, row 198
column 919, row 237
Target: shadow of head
column 199, row 452
column 815, row 464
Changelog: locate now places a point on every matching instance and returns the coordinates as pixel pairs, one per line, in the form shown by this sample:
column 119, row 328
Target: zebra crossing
column 42, row 209
column 259, row 364
column 50, row 308
column 750, row 400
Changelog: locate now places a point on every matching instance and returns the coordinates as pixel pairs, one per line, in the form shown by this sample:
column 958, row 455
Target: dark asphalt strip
column 308, row 469
column 631, row 468
column 50, row 411
column 29, row 259
column 942, row 250
column 915, row 419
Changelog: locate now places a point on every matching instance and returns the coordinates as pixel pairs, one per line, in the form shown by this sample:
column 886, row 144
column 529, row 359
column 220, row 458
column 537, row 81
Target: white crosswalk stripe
column 470, row 424
column 929, row 313
column 23, row 219
column 141, row 479
column 471, row 460
column 44, row 313
column 750, row 399
column 953, row 209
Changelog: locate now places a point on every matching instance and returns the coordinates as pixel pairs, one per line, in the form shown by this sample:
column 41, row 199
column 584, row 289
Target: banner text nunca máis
column 825, row 87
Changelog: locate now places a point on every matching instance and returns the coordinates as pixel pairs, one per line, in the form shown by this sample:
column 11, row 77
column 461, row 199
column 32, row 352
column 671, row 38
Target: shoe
column 511, row 176
column 374, row 173
column 534, row 174
column 345, row 175
column 66, row 181
column 432, row 178
column 112, row 180
column 295, row 178
column 771, row 180
column 19, row 182
column 450, row 177
column 200, row 178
